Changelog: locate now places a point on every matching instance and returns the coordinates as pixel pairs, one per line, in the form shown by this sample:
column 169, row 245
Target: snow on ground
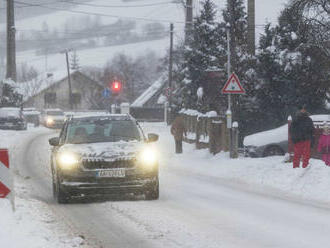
column 32, row 224
column 260, row 173
column 97, row 57
column 38, row 227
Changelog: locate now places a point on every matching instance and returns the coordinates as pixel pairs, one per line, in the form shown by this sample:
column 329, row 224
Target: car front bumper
column 89, row 184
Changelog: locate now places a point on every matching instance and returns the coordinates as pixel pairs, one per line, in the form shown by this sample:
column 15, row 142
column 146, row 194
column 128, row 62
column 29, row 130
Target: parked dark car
column 103, row 154
column 272, row 142
column 12, row 119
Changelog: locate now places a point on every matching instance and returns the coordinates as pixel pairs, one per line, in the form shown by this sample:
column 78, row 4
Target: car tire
column 153, row 192
column 273, row 151
column 60, row 196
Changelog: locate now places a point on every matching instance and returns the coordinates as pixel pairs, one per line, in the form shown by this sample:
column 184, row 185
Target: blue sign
column 106, row 93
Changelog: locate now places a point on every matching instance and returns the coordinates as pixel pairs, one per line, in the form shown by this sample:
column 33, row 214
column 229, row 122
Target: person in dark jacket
column 178, row 130
column 301, row 132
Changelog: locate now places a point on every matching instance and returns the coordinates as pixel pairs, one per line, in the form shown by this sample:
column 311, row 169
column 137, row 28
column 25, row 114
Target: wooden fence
column 207, row 132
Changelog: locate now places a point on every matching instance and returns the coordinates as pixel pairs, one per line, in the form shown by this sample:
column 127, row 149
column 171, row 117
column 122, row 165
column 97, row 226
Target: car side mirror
column 54, row 141
column 152, row 137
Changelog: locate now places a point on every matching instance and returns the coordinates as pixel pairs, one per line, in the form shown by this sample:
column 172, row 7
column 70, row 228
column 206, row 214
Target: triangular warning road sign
column 233, row 86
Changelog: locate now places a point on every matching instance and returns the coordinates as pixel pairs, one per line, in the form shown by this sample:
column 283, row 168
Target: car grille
column 91, row 165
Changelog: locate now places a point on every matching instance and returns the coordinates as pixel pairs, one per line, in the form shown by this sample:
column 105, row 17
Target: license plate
column 111, row 173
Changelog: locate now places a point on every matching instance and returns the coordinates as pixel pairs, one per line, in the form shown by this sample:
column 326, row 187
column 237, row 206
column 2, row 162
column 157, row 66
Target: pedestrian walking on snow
column 178, row 130
column 324, row 144
column 302, row 131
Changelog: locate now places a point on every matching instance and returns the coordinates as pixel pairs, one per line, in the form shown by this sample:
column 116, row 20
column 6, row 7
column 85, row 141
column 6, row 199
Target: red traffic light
column 115, row 86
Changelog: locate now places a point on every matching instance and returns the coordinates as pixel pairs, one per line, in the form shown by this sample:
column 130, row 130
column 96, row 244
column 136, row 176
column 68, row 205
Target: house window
column 50, row 98
column 76, row 98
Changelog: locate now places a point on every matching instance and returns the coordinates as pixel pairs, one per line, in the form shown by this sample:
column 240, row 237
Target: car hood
column 105, row 151
column 56, row 117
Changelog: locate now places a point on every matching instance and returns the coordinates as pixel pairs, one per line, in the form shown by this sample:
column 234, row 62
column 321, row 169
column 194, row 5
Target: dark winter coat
column 178, row 129
column 302, row 128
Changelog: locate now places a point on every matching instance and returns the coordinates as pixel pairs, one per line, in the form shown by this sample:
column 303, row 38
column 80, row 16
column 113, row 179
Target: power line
column 119, row 6
column 99, row 14
column 24, row 6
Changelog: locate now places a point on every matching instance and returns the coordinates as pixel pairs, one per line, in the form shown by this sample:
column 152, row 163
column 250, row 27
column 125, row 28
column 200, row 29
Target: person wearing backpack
column 324, row 144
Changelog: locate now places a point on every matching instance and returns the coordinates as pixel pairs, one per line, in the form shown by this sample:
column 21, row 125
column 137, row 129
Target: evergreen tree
column 74, row 61
column 201, row 57
column 292, row 70
column 10, row 97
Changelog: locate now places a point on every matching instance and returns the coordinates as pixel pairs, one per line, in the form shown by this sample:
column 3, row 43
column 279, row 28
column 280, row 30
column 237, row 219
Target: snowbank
column 32, row 225
column 261, row 174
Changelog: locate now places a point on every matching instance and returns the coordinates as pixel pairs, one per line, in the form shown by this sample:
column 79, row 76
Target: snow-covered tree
column 10, row 97
column 293, row 71
column 201, row 57
column 74, row 61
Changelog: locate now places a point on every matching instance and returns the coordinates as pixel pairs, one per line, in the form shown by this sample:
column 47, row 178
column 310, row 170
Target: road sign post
column 232, row 86
column 6, row 180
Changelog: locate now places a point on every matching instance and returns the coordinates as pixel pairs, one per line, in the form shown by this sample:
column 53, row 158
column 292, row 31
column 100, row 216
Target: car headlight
column 148, row 157
column 68, row 160
column 50, row 121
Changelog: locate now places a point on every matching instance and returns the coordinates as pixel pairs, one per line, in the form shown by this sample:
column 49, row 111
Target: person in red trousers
column 324, row 144
column 302, row 131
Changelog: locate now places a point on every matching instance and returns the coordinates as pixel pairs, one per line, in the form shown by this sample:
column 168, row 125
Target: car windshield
column 94, row 131
column 55, row 113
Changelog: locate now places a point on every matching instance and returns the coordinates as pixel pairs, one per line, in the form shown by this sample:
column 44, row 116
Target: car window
column 55, row 113
column 15, row 113
column 92, row 131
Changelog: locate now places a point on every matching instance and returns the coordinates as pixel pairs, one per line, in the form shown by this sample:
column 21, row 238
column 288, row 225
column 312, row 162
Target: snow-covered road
column 194, row 210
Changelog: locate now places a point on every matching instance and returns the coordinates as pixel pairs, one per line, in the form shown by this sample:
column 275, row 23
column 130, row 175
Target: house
column 52, row 91
column 150, row 104
column 153, row 97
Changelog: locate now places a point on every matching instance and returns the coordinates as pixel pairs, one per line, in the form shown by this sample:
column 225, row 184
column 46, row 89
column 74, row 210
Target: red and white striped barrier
column 5, row 176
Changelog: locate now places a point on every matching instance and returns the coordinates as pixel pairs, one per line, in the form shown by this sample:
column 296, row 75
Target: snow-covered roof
column 42, row 82
column 150, row 92
column 82, row 115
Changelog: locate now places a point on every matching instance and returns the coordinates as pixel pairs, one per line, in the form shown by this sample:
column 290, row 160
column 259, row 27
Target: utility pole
column 11, row 46
column 66, row 51
column 170, row 74
column 251, row 27
column 229, row 112
column 189, row 19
